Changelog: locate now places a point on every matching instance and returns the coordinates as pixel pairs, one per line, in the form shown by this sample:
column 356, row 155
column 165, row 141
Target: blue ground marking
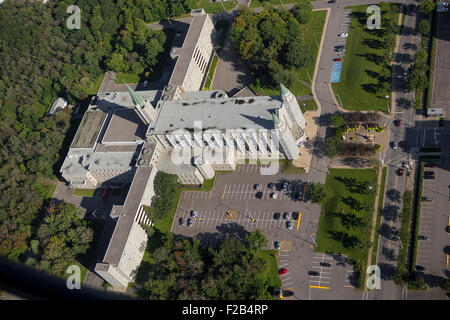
column 336, row 73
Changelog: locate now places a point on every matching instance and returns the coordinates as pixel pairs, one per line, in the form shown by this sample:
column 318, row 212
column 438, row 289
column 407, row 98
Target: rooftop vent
column 145, row 151
column 165, row 97
column 142, row 162
column 169, row 88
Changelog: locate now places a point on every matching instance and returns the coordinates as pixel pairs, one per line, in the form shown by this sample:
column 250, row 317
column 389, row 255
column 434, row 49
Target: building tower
column 285, row 137
column 204, row 167
column 144, row 108
column 292, row 107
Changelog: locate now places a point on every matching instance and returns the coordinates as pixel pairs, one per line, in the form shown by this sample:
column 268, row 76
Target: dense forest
column 271, row 42
column 189, row 270
column 42, row 59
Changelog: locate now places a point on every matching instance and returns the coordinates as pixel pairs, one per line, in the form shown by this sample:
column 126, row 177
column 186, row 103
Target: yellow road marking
column 299, row 217
column 318, row 287
column 447, row 261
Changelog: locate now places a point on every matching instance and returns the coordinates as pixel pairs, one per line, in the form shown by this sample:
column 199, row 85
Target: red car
column 400, row 172
column 430, row 165
column 398, row 123
column 283, row 271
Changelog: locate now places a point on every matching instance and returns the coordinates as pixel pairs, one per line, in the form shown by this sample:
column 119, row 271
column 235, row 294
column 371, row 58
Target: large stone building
column 127, row 137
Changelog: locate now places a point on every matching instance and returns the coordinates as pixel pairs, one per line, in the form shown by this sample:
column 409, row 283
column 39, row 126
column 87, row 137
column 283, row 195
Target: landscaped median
column 346, row 218
column 379, row 214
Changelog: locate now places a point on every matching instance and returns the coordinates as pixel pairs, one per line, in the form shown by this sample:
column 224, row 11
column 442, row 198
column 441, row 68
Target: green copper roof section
column 276, row 118
column 137, row 99
column 283, row 89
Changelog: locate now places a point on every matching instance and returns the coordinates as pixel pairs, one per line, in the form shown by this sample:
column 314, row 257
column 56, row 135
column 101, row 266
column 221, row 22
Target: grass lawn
column 331, row 222
column 84, row 192
column 379, row 213
column 274, row 278
column 357, row 88
column 311, row 33
column 288, row 168
column 211, row 73
column 213, row 7
column 309, row 105
column 262, row 3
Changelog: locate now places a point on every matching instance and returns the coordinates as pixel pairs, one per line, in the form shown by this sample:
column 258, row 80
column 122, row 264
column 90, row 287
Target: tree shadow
column 391, row 212
column 394, row 195
column 387, row 271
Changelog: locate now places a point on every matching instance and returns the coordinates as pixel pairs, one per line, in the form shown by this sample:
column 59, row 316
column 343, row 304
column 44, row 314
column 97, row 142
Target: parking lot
column 237, row 194
column 435, row 217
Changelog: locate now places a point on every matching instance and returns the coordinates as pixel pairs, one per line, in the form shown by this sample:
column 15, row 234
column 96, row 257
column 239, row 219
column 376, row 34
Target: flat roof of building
column 89, row 129
column 110, row 100
column 219, row 113
column 98, row 161
column 187, row 50
column 125, row 126
column 127, row 212
column 167, row 165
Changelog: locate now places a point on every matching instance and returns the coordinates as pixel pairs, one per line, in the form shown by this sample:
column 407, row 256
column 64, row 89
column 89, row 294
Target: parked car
column 270, row 185
column 277, row 245
column 283, row 271
column 394, row 145
column 286, row 216
column 398, row 123
column 430, row 165
column 313, row 273
column 331, row 1
column 337, row 59
column 325, row 264
column 285, row 186
column 181, row 222
column 259, row 195
column 145, row 83
column 343, row 35
column 427, row 199
column 289, row 225
column 277, row 215
column 423, row 238
column 294, row 215
column 429, row 173
column 189, row 222
column 429, row 177
column 257, row 186
column 339, row 48
column 273, row 195
column 420, row 268
column 193, row 213
column 400, row 172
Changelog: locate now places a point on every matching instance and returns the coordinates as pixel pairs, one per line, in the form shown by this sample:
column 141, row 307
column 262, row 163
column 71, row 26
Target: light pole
column 326, row 167
column 313, row 241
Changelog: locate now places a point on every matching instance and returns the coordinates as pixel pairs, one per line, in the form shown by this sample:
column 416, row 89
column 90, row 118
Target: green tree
column 303, row 12
column 298, row 54
column 337, row 121
column 427, row 6
column 423, row 27
column 317, row 192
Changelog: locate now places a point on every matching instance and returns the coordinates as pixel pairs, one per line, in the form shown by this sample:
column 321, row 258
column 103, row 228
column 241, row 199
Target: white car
column 145, row 83
column 274, row 195
column 343, row 35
